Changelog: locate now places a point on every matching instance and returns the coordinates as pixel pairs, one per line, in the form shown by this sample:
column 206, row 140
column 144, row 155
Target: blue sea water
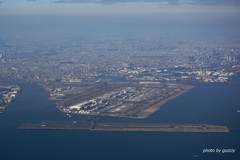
column 215, row 104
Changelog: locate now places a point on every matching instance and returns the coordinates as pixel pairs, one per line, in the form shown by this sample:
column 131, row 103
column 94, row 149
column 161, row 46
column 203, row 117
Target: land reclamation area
column 116, row 99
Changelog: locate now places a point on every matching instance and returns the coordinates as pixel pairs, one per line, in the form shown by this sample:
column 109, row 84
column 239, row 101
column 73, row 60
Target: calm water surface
column 207, row 103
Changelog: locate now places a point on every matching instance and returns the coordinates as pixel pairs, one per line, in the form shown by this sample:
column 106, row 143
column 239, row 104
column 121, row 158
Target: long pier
column 86, row 125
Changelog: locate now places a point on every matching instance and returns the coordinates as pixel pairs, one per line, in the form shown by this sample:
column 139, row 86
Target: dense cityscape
column 138, row 58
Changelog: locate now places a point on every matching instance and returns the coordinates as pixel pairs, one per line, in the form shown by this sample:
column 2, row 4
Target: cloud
column 117, row 1
column 79, row 1
column 104, row 7
column 171, row 2
column 214, row 2
column 95, row 7
column 185, row 2
column 211, row 2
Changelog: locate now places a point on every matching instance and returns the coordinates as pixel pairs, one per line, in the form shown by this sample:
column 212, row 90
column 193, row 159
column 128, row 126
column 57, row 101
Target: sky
column 30, row 7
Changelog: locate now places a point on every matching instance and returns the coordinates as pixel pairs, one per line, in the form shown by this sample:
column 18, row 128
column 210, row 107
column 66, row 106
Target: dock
column 86, row 125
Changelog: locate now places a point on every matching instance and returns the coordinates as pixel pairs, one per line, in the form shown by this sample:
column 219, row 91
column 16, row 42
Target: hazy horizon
column 118, row 7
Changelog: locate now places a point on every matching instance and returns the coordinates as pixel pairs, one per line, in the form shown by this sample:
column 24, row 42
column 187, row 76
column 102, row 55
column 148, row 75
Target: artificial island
column 117, row 99
column 84, row 125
